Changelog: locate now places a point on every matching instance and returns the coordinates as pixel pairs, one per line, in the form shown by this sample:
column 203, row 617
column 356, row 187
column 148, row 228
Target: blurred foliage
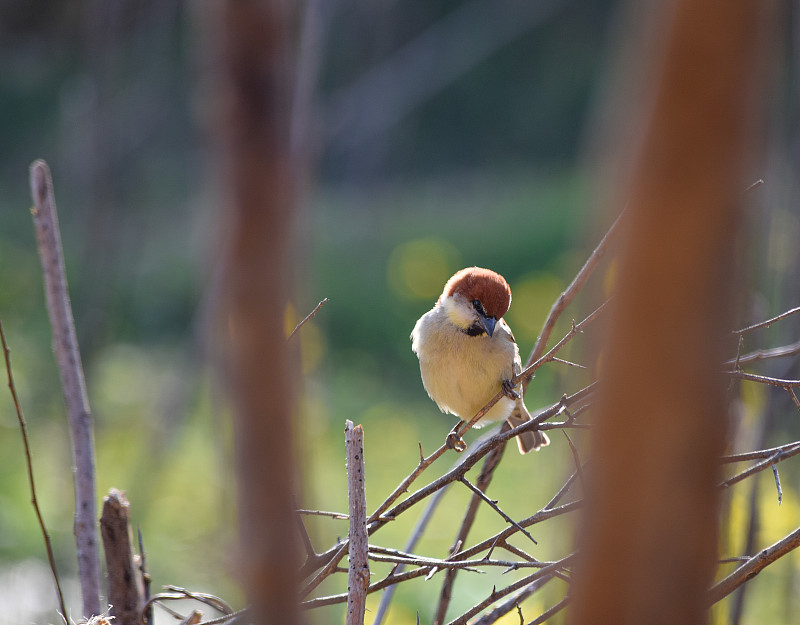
column 483, row 171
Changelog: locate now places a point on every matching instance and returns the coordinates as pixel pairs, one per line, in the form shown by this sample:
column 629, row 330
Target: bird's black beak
column 487, row 323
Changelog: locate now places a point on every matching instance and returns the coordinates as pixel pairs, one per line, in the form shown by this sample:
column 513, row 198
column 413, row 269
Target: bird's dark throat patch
column 474, row 330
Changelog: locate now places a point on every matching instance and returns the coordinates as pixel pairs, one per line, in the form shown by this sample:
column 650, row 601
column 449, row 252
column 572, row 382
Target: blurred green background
column 445, row 134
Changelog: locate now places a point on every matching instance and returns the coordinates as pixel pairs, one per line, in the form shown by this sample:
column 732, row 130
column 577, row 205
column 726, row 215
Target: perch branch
column 65, row 344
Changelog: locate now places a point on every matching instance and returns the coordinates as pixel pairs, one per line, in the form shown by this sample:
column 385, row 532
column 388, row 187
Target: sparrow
column 467, row 352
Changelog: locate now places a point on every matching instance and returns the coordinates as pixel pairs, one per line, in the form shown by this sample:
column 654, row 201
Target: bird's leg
column 508, row 390
column 454, row 441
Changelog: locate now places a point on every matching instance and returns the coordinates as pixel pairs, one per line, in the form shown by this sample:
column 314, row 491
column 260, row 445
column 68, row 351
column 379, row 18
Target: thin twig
column 539, row 517
column 763, row 379
column 753, row 186
column 512, row 602
column 333, row 515
column 308, row 317
column 389, row 580
column 577, row 458
column 493, row 505
column 768, row 322
column 65, row 344
column 544, row 616
column 23, row 428
column 765, row 354
column 147, row 615
column 477, row 454
column 761, row 453
column 499, row 594
column 570, row 292
column 778, row 456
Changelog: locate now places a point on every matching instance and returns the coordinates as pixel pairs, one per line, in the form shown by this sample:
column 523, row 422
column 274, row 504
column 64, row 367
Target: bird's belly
column 463, row 388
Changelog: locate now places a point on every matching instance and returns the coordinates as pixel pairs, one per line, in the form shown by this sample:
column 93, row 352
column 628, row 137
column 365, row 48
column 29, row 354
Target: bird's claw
column 454, row 440
column 508, row 390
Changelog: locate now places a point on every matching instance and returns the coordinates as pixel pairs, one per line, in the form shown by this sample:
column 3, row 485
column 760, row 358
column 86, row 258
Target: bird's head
column 475, row 300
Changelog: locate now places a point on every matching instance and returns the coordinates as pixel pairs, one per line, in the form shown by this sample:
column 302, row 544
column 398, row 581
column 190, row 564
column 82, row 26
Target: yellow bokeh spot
column 610, row 277
column 312, row 346
column 290, row 319
column 531, row 302
column 419, row 268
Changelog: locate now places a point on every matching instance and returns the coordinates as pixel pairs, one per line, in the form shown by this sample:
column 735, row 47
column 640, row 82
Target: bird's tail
column 533, row 439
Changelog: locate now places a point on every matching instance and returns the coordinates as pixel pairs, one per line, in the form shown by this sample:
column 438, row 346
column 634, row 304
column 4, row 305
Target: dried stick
column 23, row 428
column 124, row 585
column 753, row 567
column 65, row 344
column 358, row 574
column 308, row 317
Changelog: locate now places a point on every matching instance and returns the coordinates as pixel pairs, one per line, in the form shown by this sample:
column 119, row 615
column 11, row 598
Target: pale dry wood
column 358, row 571
column 73, row 383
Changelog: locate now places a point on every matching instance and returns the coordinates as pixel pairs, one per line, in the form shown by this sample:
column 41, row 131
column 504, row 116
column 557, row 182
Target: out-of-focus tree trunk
column 250, row 87
column 649, row 535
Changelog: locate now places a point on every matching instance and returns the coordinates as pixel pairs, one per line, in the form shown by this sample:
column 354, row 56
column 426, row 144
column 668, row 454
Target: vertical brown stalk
column 650, row 532
column 251, row 87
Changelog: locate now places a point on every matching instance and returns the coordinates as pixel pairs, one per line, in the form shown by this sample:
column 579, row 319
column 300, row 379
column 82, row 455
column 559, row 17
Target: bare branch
column 753, row 567
column 765, row 354
column 499, row 594
column 768, row 322
column 778, row 456
column 570, row 292
column 763, row 379
column 333, row 515
column 65, row 344
column 124, row 585
column 493, row 505
column 762, row 453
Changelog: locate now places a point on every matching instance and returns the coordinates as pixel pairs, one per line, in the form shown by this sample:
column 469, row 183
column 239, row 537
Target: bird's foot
column 454, row 440
column 508, row 390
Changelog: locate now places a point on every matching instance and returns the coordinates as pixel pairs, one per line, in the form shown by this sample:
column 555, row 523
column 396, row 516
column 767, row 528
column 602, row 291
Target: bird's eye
column 476, row 304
